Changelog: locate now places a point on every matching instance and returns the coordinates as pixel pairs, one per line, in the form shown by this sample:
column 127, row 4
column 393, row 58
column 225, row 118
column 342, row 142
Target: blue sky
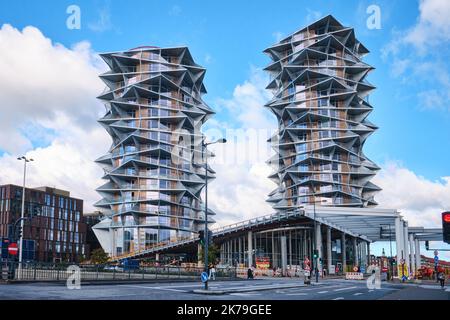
column 228, row 38
column 411, row 103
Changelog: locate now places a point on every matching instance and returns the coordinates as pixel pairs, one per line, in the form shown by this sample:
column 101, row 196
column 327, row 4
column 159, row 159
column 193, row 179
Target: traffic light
column 201, row 237
column 427, row 245
column 316, row 254
column 210, row 238
column 19, row 232
column 446, row 226
column 393, row 262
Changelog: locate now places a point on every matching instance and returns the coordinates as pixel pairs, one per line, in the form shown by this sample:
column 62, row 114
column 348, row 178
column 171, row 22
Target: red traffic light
column 446, row 217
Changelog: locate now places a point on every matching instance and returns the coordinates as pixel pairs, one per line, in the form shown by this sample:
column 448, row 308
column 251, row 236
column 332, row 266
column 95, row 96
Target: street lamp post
column 204, row 145
column 22, row 214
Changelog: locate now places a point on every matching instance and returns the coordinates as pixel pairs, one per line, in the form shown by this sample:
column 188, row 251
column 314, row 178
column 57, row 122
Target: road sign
column 436, row 260
column 12, row 249
column 355, row 269
column 204, row 276
column 436, row 253
column 362, row 269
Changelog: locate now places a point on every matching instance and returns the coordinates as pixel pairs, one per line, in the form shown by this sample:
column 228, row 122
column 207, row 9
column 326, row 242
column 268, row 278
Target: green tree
column 213, row 254
column 99, row 256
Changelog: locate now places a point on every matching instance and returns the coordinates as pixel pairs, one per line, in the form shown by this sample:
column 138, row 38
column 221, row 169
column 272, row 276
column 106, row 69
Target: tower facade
column 153, row 170
column 321, row 104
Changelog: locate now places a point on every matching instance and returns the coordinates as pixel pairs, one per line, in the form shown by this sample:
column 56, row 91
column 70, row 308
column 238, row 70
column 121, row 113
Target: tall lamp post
column 22, row 214
column 204, row 145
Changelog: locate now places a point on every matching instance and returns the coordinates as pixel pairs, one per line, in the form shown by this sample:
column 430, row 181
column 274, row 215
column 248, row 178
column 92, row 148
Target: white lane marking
column 370, row 290
column 158, row 288
column 245, row 294
column 357, row 293
column 347, row 288
column 296, row 294
column 339, row 298
column 323, row 291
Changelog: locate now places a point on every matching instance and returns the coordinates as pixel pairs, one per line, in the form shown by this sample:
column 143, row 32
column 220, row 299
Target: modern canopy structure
column 154, row 170
column 321, row 104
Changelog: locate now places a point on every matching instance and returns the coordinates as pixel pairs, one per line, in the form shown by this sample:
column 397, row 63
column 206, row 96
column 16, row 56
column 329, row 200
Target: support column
column 344, row 253
column 319, row 246
column 399, row 239
column 329, row 257
column 417, row 254
column 411, row 250
column 250, row 249
column 283, row 255
column 240, row 250
column 406, row 247
column 355, row 252
column 199, row 250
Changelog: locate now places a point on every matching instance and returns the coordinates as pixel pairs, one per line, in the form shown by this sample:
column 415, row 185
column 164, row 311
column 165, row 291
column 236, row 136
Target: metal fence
column 61, row 272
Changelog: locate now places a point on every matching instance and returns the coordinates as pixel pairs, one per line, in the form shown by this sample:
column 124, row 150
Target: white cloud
column 48, row 93
column 420, row 200
column 242, row 186
column 431, row 29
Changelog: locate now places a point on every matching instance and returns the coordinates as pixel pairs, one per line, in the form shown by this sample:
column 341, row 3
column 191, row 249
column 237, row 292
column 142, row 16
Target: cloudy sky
column 49, row 82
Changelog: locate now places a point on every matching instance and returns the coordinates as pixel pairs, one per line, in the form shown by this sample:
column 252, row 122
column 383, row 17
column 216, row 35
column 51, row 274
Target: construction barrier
column 354, row 276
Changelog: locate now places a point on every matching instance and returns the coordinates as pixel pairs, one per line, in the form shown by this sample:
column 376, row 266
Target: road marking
column 322, row 292
column 347, row 288
column 357, row 293
column 339, row 298
column 296, row 294
column 245, row 294
column 370, row 290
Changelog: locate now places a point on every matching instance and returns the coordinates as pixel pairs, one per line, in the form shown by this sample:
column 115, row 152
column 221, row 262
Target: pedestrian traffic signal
column 316, row 254
column 446, row 226
column 201, row 237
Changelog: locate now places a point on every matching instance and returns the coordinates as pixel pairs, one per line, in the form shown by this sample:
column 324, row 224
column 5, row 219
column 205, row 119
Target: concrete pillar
column 355, row 252
column 290, row 249
column 274, row 256
column 240, row 250
column 411, row 250
column 417, row 254
column 329, row 262
column 157, row 256
column 250, row 249
column 369, row 262
column 305, row 246
column 399, row 239
column 406, row 247
column 283, row 246
column 319, row 246
column 344, row 253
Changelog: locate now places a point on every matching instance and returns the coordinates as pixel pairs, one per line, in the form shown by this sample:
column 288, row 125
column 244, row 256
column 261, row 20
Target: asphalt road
column 332, row 289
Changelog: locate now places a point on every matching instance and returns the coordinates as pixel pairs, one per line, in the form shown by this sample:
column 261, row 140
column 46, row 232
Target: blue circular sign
column 204, row 276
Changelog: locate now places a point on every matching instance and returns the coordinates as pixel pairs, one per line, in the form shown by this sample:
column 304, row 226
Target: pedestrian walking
column 212, row 272
column 441, row 278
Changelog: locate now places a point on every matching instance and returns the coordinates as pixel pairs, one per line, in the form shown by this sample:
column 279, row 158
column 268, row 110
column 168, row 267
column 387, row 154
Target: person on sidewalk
column 441, row 278
column 212, row 272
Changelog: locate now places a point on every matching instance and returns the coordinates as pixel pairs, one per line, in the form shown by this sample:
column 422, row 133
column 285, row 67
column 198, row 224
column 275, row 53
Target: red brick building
column 55, row 233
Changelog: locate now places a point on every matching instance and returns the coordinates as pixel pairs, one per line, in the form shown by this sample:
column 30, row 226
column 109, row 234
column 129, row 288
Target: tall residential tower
column 154, row 112
column 321, row 103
